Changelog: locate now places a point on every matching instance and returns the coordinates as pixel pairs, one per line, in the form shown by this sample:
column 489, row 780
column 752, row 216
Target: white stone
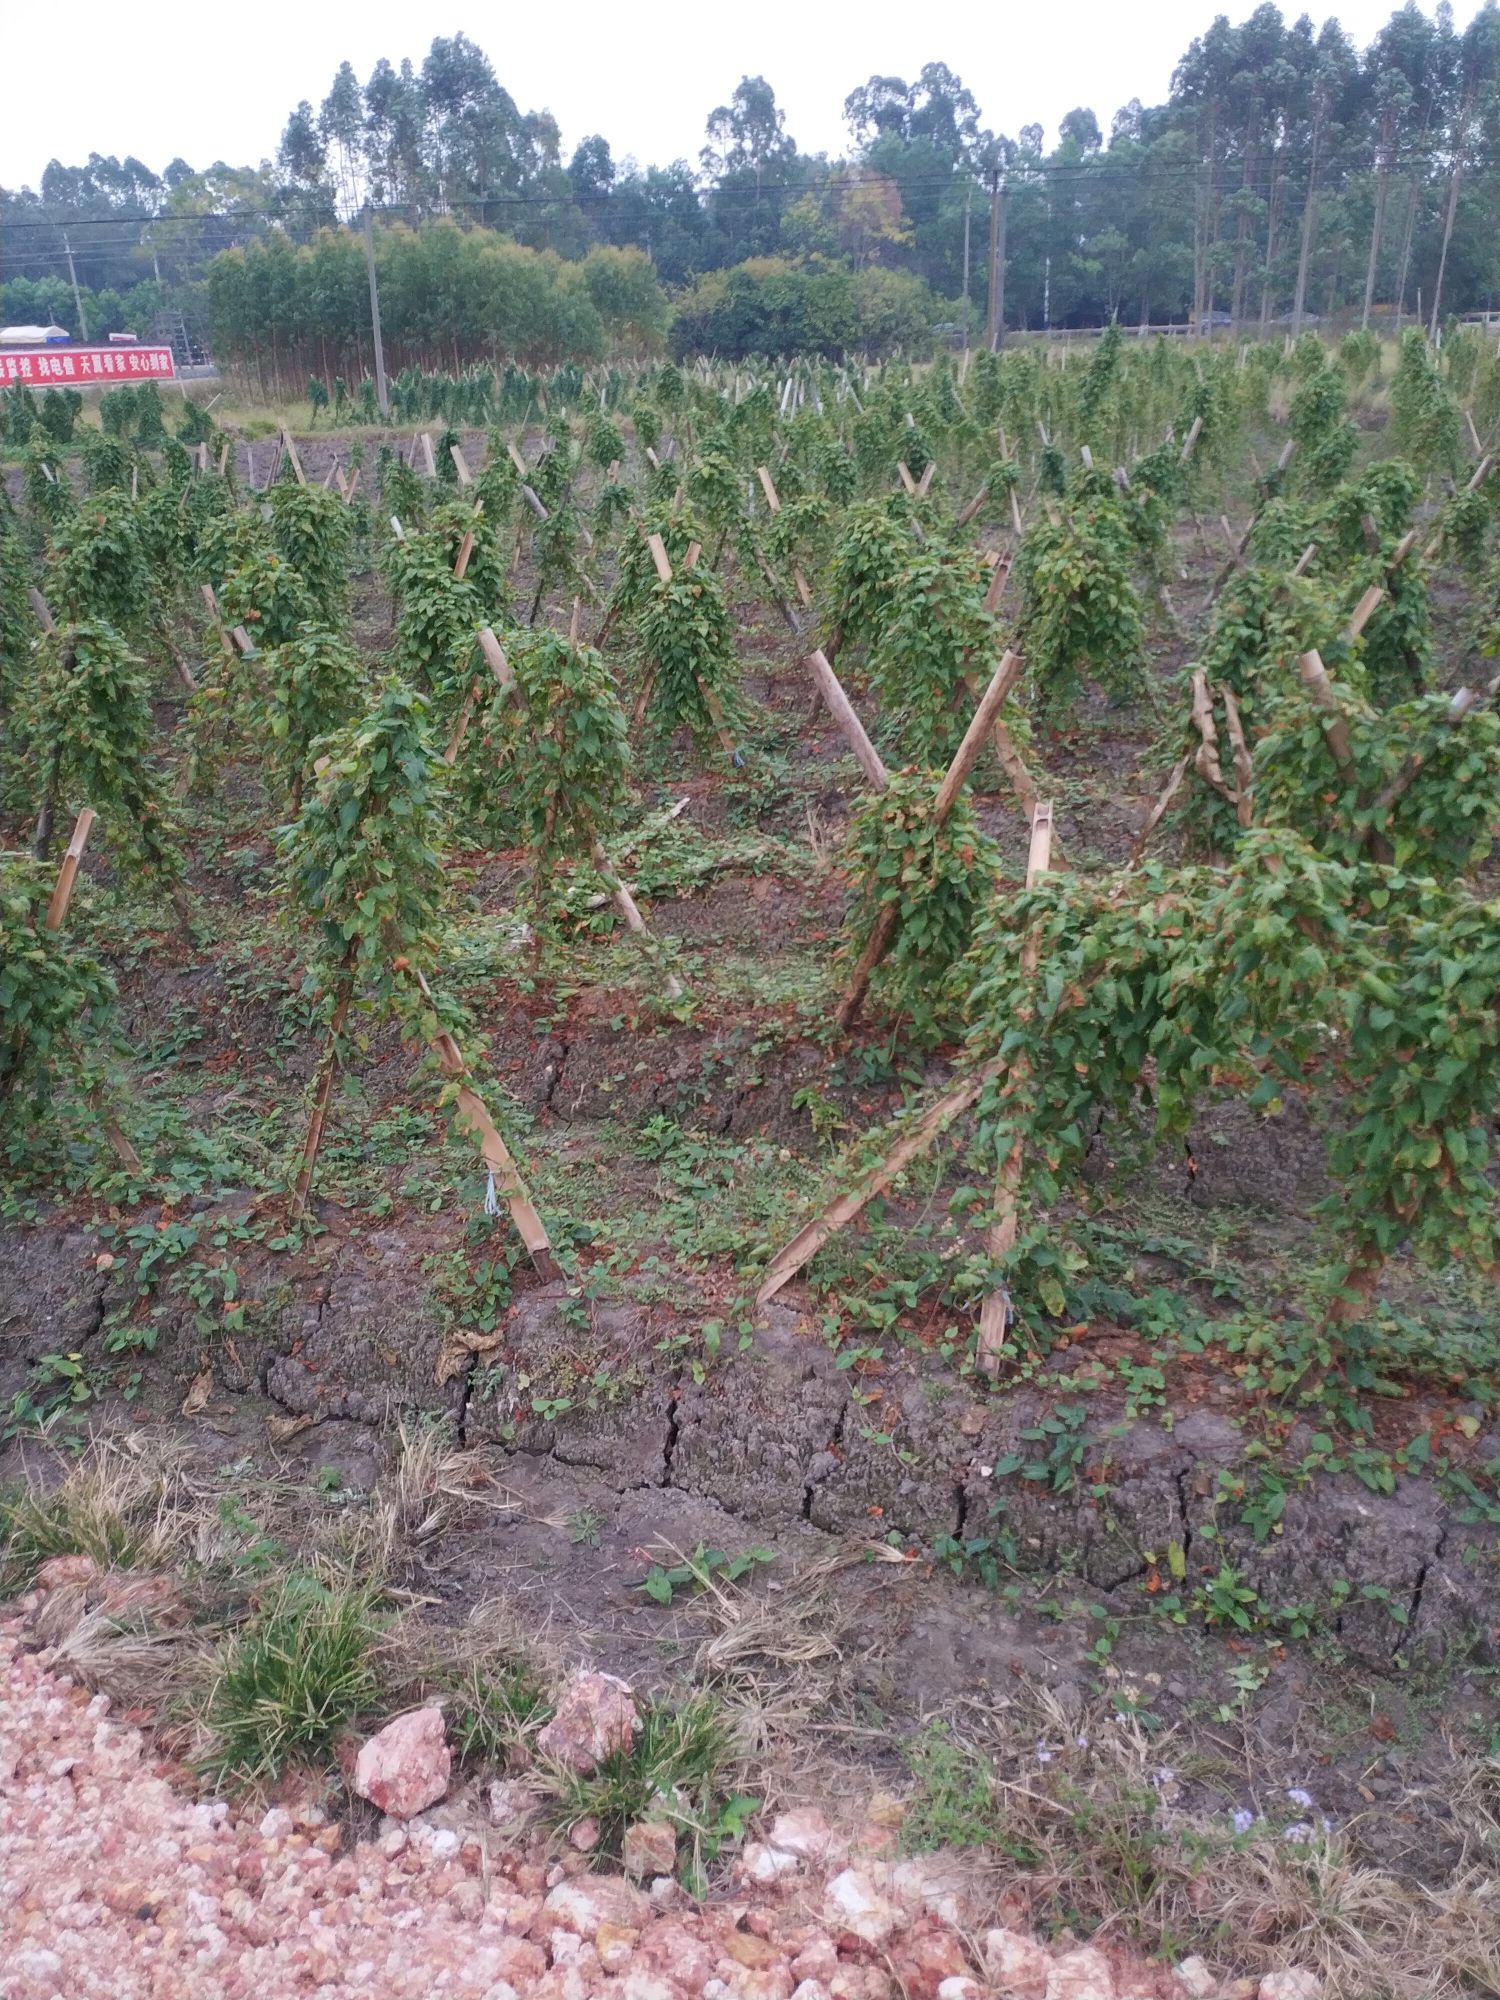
column 763, row 1864
column 1295, row 1983
column 1196, row 1980
column 852, row 1901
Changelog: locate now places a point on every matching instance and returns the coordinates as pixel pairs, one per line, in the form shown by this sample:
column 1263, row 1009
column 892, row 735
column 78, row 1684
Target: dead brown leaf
column 196, row 1399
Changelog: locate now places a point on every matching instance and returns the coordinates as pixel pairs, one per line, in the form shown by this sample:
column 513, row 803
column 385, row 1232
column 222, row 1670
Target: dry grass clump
column 1096, row 1834
column 124, row 1503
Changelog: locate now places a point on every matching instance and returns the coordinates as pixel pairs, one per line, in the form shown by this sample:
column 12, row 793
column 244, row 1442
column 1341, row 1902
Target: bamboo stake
column 1000, row 1237
column 973, row 507
column 629, row 909
column 842, row 710
column 1364, row 611
column 291, row 451
column 67, row 875
column 1157, row 813
column 883, row 934
column 1335, row 726
column 1244, row 768
column 57, row 910
column 474, row 1116
column 843, row 1210
column 343, row 993
column 211, row 601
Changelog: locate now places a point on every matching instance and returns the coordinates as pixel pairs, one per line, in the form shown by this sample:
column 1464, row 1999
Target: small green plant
column 679, row 1770
column 700, row 1569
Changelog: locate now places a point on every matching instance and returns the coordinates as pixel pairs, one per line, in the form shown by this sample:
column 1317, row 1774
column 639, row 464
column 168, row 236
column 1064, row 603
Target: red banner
column 72, row 367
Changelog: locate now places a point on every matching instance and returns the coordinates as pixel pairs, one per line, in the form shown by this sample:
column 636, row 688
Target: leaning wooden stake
column 1000, row 1237
column 343, row 993
column 883, row 936
column 840, row 1212
column 67, row 875
column 474, row 1116
column 711, row 700
column 629, row 909
column 57, row 910
column 842, row 710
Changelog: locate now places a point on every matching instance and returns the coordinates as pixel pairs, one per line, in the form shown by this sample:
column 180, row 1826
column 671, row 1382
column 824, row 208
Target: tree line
column 1289, row 175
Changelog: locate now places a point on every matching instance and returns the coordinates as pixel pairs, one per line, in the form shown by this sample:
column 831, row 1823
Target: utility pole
column 995, row 329
column 968, row 205
column 1000, row 275
column 381, row 395
column 83, row 324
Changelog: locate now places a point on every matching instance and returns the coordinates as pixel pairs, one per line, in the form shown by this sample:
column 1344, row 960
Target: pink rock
column 1295, row 1983
column 644, row 1986
column 405, row 1767
column 59, row 1571
column 585, row 1836
column 811, row 1989
column 583, row 1905
column 960, row 1987
column 511, row 1802
column 1017, row 1966
column 852, row 1902
column 1084, row 1974
column 924, row 1959
column 595, row 1717
column 817, row 1961
column 650, row 1849
column 671, row 1949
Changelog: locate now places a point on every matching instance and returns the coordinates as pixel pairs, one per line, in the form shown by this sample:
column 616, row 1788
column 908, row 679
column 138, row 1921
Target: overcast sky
column 209, row 82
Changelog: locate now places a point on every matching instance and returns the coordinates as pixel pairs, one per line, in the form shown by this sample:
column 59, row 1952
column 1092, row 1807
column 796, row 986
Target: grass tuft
column 125, row 1509
column 682, row 1768
column 298, row 1671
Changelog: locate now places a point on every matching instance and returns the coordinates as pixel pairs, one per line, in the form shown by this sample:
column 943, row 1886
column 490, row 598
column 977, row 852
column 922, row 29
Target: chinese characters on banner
column 57, row 367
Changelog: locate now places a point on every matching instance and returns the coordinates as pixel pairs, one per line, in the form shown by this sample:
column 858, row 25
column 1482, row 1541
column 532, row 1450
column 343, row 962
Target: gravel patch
column 115, row 1883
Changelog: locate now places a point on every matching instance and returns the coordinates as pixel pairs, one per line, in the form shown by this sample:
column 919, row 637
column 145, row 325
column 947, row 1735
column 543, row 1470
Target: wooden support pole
column 973, row 507
column 291, row 451
column 883, row 934
column 1335, row 724
column 428, row 457
column 629, row 909
column 474, row 1117
column 843, row 1210
column 67, row 875
column 907, row 481
column 842, row 710
column 40, row 606
column 981, row 723
column 494, row 655
column 1364, row 611
column 1158, row 811
column 1190, row 442
column 343, row 993
column 1000, row 1237
column 460, row 465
